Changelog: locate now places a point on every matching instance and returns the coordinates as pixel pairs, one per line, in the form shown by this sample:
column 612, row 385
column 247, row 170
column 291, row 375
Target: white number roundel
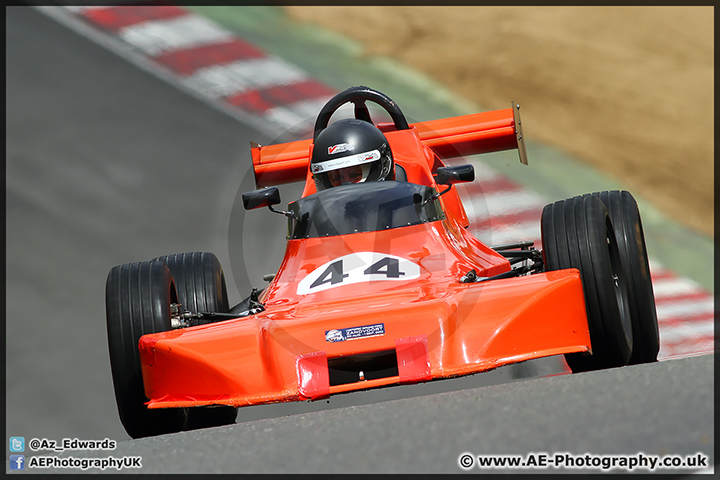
column 358, row 267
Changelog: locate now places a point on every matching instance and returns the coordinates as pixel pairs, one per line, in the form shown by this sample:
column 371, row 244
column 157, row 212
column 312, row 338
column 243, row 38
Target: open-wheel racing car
column 381, row 283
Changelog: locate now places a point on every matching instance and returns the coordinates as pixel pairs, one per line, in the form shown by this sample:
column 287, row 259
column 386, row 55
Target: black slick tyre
column 625, row 216
column 578, row 233
column 201, row 287
column 199, row 280
column 137, row 302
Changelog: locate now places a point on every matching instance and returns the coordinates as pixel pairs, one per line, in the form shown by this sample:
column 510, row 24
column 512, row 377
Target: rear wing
column 464, row 135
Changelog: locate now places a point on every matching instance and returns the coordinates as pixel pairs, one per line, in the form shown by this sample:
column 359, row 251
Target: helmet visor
column 343, row 176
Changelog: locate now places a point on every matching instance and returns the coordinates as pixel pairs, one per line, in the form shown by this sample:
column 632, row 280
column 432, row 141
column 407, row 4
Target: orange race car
column 381, row 282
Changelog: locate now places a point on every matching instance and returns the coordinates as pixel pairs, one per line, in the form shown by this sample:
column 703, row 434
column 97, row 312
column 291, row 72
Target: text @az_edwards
column 66, row 444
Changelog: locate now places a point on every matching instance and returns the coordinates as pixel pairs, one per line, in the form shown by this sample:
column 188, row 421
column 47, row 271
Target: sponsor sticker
column 347, row 161
column 340, row 147
column 354, row 333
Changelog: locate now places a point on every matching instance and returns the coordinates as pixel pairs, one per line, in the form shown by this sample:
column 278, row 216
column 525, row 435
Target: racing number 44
column 358, row 267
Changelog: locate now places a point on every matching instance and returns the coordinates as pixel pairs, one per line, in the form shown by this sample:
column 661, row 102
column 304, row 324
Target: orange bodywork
column 400, row 313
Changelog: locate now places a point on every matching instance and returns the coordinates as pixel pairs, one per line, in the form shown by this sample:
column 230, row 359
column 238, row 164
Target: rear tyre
column 578, row 233
column 137, row 302
column 201, row 287
column 625, row 217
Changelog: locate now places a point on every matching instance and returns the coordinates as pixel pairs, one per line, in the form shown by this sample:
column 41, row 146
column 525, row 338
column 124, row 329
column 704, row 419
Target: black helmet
column 351, row 151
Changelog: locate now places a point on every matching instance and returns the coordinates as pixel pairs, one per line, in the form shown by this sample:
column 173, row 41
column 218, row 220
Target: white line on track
column 688, row 330
column 297, row 114
column 510, row 233
column 155, row 37
column 506, row 203
column 686, row 308
column 666, row 287
column 83, row 9
column 224, row 80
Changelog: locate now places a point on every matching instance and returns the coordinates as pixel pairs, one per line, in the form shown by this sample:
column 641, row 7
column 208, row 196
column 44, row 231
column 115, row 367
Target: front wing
column 293, row 354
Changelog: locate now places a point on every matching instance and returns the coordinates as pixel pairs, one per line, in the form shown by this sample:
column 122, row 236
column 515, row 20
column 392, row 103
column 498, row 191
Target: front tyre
column 199, row 280
column 578, row 233
column 625, row 216
column 201, row 287
column 137, row 302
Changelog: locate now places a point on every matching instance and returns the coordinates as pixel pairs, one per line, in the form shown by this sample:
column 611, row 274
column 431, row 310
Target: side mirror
column 457, row 174
column 265, row 197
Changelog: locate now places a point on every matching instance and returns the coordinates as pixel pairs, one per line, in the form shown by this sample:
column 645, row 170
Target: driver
column 351, row 151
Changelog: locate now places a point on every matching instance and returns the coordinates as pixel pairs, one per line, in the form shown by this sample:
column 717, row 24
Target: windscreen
column 363, row 207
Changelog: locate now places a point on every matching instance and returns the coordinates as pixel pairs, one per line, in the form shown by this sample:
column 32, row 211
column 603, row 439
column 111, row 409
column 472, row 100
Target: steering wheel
column 358, row 96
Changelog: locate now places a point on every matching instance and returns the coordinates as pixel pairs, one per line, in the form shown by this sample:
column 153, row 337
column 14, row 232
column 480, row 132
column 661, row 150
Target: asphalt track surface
column 107, row 164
